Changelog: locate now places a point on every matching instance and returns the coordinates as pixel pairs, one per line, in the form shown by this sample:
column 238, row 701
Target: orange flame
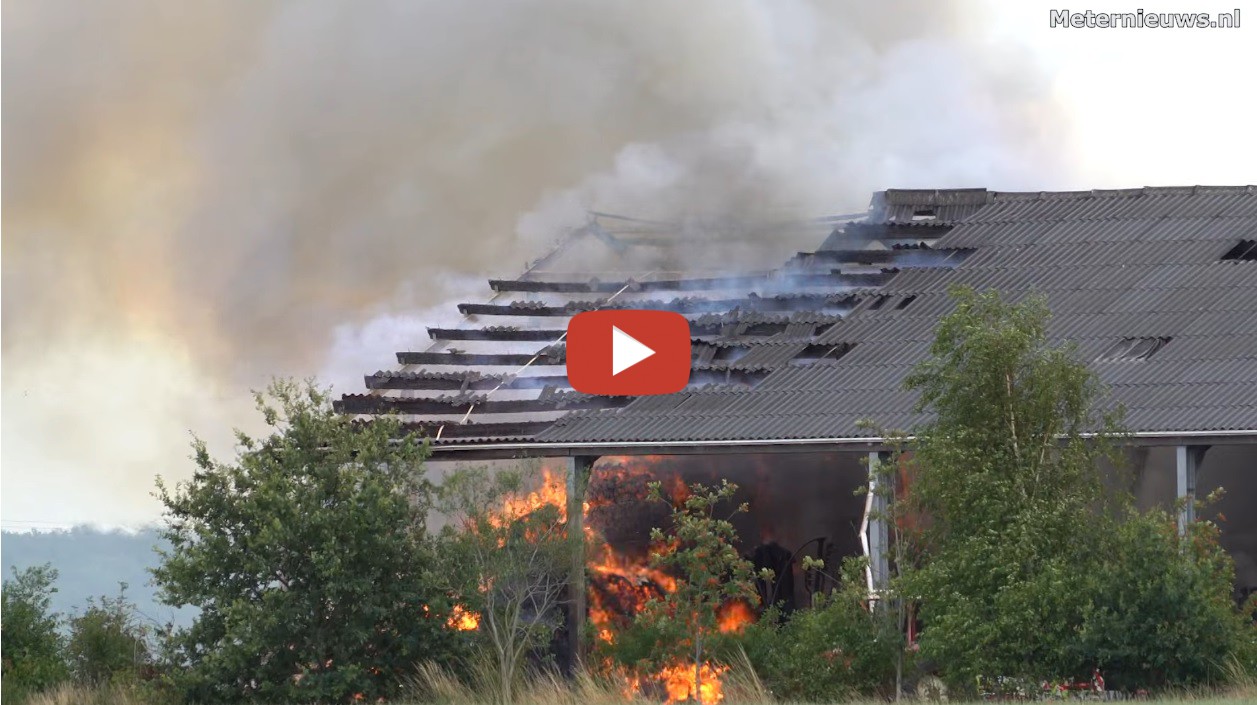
column 732, row 617
column 622, row 583
column 552, row 493
column 625, row 582
column 679, row 682
column 463, row 619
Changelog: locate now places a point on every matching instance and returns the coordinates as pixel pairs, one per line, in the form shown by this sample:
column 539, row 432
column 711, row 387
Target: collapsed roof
column 1156, row 286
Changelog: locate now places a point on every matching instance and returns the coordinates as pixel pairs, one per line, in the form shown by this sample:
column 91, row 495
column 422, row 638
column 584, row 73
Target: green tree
column 699, row 548
column 1025, row 567
column 308, row 559
column 509, row 561
column 1011, row 504
column 108, row 640
column 33, row 646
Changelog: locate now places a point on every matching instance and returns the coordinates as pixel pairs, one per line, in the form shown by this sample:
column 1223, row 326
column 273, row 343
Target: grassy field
column 555, row 694
column 432, row 685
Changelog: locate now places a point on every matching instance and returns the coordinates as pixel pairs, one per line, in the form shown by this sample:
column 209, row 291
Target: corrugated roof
column 1113, row 265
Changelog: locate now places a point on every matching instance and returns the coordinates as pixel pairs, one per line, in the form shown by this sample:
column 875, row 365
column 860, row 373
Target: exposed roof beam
column 462, row 380
column 368, row 404
column 515, row 429
column 535, row 334
column 786, row 279
column 855, row 256
column 594, row 286
column 461, row 358
column 796, row 302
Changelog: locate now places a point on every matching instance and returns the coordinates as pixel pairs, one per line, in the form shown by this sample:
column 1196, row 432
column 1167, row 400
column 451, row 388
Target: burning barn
column 1157, row 286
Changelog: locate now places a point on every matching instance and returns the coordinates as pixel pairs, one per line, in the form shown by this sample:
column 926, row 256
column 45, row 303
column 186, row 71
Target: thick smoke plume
column 197, row 197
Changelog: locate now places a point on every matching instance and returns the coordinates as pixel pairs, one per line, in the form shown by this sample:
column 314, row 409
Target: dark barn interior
column 824, row 525
column 1157, row 287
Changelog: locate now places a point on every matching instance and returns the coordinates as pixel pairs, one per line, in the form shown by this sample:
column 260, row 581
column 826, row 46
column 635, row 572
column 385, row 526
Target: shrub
column 508, row 562
column 33, row 659
column 1162, row 611
column 1009, row 480
column 837, row 649
column 107, row 641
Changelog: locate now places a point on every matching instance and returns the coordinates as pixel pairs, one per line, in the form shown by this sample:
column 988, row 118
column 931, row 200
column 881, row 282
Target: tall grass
column 68, row 694
column 438, row 686
column 1241, row 679
column 742, row 684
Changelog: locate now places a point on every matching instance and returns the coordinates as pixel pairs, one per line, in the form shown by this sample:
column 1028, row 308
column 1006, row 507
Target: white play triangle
column 626, row 351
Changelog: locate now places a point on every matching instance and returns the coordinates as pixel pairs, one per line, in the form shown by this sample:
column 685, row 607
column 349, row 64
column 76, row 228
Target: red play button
column 628, row 352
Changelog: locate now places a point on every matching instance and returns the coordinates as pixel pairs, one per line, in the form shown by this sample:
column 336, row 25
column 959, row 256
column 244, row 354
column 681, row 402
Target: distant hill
column 92, row 563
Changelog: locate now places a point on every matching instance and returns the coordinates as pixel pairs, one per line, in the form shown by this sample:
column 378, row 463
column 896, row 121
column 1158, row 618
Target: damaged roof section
column 1155, row 286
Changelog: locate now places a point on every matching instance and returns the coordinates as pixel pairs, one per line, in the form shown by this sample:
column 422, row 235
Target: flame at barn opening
column 799, row 504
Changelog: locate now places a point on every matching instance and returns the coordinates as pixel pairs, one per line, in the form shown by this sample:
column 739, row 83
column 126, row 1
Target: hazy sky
column 198, row 196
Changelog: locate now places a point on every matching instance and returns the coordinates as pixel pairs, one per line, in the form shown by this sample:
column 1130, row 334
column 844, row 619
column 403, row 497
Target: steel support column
column 877, row 534
column 578, row 469
column 1187, row 460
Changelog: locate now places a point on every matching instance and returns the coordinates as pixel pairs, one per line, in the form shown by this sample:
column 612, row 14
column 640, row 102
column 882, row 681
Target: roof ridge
column 1198, row 190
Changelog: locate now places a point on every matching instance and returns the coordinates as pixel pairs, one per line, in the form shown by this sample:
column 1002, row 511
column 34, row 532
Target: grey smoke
column 198, row 197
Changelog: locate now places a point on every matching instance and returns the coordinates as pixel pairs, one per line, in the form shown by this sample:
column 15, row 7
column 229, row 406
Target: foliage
column 699, row 549
column 839, row 648
column 1025, row 568
column 108, row 641
column 33, row 657
column 1002, row 399
column 508, row 560
column 999, row 566
column 1161, row 611
column 308, row 558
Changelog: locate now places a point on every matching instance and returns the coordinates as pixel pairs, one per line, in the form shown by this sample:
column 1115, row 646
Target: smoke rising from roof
column 201, row 196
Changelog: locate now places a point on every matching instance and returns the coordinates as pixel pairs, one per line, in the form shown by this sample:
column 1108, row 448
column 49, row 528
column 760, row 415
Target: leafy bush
column 838, row 649
column 1006, row 604
column 1162, row 612
column 33, row 657
column 107, row 641
column 309, row 559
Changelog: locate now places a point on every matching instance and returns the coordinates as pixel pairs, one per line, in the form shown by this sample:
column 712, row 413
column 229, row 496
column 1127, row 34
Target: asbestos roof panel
column 1134, row 263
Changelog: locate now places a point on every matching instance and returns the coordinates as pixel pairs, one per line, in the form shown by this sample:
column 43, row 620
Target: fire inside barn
column 1157, row 287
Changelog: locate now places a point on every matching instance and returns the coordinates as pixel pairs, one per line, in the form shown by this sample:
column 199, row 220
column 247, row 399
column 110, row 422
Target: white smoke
column 223, row 192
